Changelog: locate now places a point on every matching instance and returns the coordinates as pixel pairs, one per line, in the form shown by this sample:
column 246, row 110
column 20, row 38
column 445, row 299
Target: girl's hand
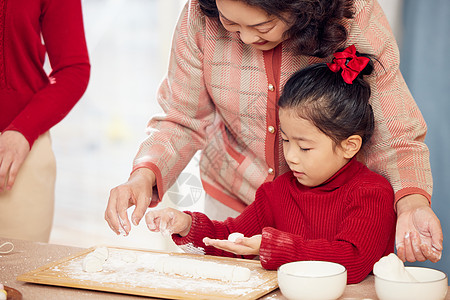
column 242, row 246
column 419, row 233
column 168, row 221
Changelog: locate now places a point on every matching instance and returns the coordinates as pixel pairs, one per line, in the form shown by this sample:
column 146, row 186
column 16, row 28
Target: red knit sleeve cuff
column 410, row 191
column 31, row 137
column 277, row 248
column 193, row 242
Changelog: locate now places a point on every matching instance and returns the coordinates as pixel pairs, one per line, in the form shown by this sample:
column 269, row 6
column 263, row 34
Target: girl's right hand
column 168, row 221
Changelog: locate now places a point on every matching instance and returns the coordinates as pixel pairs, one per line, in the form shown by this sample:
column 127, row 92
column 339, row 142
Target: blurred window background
column 129, row 43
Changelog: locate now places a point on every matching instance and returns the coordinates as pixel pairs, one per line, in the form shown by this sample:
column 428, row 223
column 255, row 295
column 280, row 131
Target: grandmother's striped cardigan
column 220, row 96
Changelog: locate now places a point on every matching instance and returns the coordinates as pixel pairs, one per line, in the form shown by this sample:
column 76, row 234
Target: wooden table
column 29, row 255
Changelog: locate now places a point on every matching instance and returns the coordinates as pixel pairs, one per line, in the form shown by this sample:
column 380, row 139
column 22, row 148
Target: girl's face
column 254, row 26
column 311, row 155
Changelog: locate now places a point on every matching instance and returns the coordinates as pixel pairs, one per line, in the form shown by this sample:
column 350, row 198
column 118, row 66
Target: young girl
column 330, row 206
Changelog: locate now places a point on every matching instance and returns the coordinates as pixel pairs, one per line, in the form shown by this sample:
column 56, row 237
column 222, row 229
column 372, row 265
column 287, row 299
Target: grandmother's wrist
column 410, row 202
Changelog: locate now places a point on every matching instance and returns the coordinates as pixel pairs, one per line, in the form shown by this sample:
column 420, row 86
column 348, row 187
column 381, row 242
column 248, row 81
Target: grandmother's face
column 253, row 25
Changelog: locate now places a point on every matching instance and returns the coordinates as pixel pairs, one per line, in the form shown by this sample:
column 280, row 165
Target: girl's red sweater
column 349, row 220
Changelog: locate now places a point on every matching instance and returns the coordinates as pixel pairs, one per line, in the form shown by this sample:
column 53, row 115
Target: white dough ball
column 241, row 274
column 234, row 236
column 95, row 255
column 102, row 252
column 92, row 264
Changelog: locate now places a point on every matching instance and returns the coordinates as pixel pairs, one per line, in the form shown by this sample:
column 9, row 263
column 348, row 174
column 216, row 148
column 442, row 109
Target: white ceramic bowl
column 432, row 285
column 312, row 280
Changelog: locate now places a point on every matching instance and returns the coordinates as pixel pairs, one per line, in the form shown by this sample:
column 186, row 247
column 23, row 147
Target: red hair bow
column 350, row 69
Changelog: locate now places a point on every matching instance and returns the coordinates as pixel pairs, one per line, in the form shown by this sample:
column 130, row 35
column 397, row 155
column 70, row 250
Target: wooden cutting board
column 138, row 278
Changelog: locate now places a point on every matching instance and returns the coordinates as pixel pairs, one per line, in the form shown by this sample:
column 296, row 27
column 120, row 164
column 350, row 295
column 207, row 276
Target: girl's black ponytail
column 334, row 96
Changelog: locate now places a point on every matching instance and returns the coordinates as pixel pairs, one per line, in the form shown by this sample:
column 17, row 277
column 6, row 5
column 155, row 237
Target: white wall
column 393, row 11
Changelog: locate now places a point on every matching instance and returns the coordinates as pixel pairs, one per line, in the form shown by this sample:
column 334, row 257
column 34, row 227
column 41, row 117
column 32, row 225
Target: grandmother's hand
column 419, row 233
column 14, row 149
column 138, row 190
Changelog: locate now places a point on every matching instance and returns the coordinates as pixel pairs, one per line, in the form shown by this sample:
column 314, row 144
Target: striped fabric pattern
column 220, row 96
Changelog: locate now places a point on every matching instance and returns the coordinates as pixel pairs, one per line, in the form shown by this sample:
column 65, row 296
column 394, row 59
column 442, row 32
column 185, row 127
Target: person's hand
column 419, row 233
column 14, row 148
column 242, row 245
column 168, row 221
column 138, row 190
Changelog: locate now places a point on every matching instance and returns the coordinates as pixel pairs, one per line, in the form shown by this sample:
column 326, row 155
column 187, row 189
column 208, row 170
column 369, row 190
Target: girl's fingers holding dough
column 167, row 220
column 180, row 222
column 156, row 219
column 152, row 220
column 165, row 223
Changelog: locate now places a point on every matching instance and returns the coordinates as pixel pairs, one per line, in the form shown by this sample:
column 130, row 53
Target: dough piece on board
column 201, row 269
column 101, row 252
column 241, row 274
column 93, row 262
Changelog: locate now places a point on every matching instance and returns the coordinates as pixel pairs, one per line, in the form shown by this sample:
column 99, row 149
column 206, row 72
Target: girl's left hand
column 242, row 246
column 168, row 221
